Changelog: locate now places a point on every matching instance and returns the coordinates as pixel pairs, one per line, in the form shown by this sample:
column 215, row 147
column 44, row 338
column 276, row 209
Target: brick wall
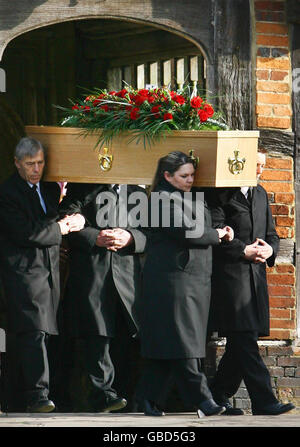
column 273, row 106
column 274, row 111
column 283, row 365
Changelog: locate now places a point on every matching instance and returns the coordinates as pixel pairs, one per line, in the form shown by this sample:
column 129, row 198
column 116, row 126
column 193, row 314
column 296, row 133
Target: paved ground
column 109, row 420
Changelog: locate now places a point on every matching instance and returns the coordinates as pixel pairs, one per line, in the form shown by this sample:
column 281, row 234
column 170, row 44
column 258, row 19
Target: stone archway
column 222, row 30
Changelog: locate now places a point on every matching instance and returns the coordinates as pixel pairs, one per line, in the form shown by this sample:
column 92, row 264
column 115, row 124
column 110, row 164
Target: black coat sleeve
column 234, row 249
column 272, row 237
column 25, row 231
column 74, row 202
column 189, row 228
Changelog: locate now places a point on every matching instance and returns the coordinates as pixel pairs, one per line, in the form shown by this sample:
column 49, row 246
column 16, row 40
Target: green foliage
column 148, row 114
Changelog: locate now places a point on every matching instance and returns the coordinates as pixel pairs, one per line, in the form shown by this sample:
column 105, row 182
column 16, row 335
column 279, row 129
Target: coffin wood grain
column 74, row 158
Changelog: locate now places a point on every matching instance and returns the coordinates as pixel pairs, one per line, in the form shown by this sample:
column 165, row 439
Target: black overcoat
column 176, row 289
column 95, row 273
column 29, row 250
column 240, row 300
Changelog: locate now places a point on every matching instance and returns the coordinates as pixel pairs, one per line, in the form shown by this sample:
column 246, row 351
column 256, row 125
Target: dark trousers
column 99, row 368
column 242, row 361
column 33, row 363
column 185, row 373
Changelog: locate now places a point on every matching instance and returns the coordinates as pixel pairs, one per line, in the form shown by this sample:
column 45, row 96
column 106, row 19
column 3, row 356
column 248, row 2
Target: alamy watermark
column 2, row 81
column 296, row 80
column 2, row 340
column 160, row 209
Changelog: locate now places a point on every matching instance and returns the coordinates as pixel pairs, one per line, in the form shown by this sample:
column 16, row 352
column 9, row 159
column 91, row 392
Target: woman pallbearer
column 176, row 289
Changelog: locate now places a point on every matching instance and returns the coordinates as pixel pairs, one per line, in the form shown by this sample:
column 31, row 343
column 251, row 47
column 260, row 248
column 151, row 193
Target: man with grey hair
column 30, row 237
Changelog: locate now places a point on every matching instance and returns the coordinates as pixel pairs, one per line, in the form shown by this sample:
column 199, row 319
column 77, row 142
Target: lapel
column 32, row 202
column 239, row 197
column 255, row 211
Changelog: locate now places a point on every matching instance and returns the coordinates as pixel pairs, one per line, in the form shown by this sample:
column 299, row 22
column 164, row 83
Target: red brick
column 283, row 232
column 277, row 334
column 282, row 221
column 269, row 5
column 280, row 350
column 279, row 163
column 262, row 74
column 278, row 123
column 285, row 268
column 279, row 210
column 271, row 28
column 278, row 75
column 276, row 175
column 281, row 279
column 288, row 361
column 270, row 16
column 271, row 62
column 280, row 290
column 282, row 324
column 273, row 98
column 264, row 110
column 284, row 198
column 277, row 186
column 280, row 313
column 272, row 86
column 282, row 302
column 272, row 41
column 282, row 111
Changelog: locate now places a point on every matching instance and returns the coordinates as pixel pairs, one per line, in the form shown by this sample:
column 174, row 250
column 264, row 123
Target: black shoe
column 41, row 406
column 113, row 404
column 151, row 409
column 273, row 409
column 230, row 410
column 209, row 408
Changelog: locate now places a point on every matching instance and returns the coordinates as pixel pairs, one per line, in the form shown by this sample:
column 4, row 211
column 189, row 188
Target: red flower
column 179, row 99
column 168, row 116
column 209, row 110
column 105, row 107
column 122, row 93
column 139, row 99
column 75, row 107
column 196, row 102
column 113, row 93
column 155, row 110
column 203, row 115
column 143, row 92
column 151, row 99
column 134, row 114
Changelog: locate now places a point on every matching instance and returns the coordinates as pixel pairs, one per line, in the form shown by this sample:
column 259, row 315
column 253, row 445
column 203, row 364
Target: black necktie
column 116, row 188
column 37, row 197
column 250, row 194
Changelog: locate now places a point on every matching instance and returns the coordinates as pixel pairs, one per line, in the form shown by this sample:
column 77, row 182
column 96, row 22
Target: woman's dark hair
column 171, row 163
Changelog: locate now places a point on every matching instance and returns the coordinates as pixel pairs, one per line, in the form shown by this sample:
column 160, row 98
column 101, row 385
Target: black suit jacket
column 240, row 300
column 95, row 273
column 29, row 252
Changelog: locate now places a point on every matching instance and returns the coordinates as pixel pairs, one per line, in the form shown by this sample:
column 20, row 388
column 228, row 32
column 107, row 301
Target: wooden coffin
column 74, row 158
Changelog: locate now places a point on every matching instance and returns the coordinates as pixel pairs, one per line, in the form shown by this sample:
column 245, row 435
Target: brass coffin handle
column 236, row 164
column 105, row 160
column 195, row 159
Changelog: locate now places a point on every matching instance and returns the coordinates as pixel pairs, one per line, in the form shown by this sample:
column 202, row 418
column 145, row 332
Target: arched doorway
column 58, row 62
column 47, row 66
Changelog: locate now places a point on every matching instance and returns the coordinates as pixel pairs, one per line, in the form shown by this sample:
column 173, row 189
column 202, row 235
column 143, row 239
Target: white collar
column 37, row 185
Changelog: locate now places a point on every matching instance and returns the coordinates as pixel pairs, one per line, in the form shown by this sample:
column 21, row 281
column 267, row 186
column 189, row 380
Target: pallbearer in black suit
column 30, row 236
column 240, row 302
column 104, row 281
column 176, row 292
